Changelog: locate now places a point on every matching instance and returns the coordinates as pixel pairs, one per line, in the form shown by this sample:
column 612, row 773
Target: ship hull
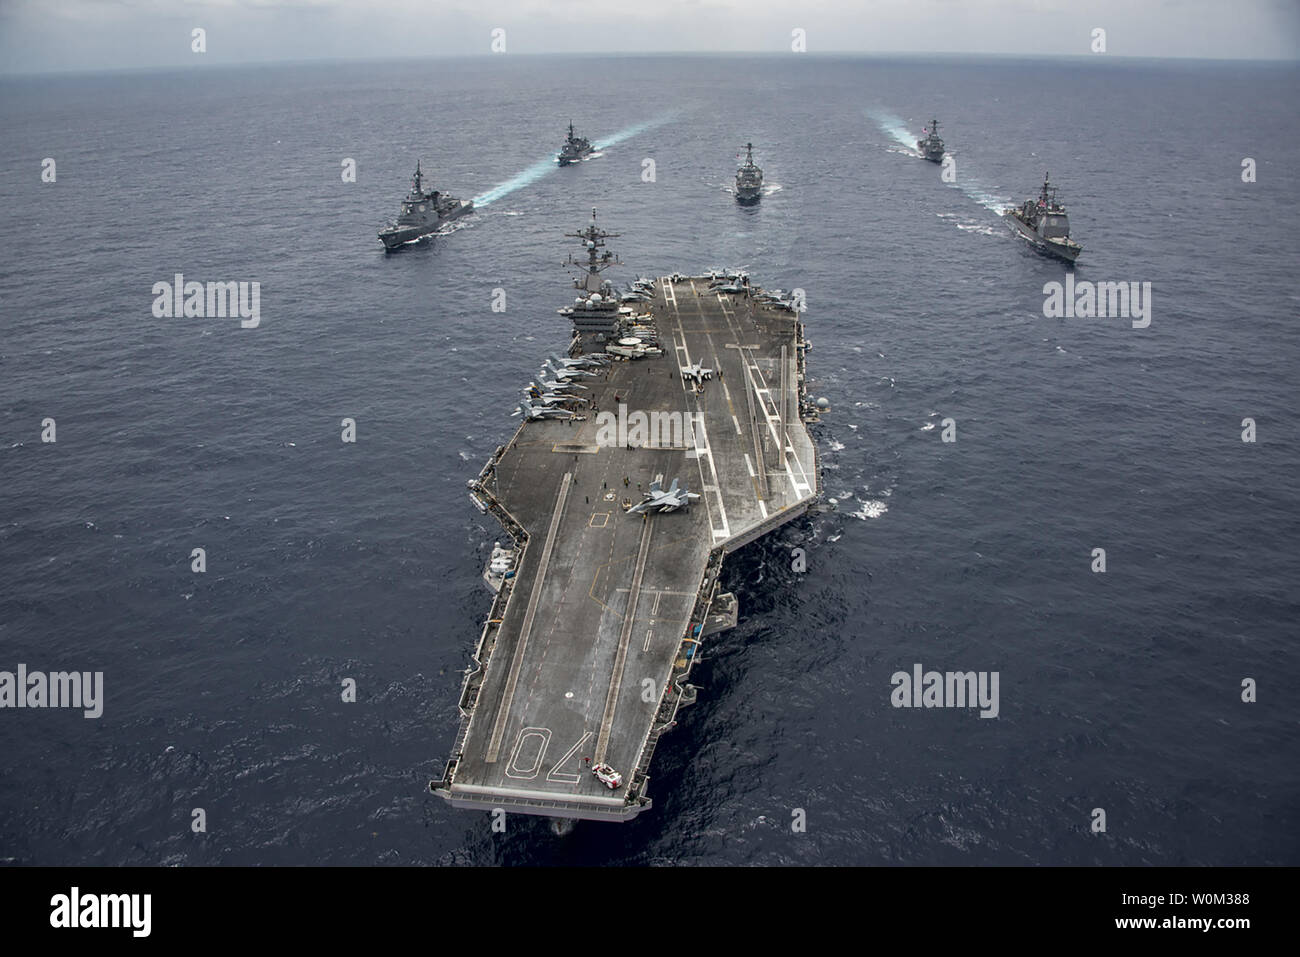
column 748, row 195
column 1055, row 250
column 929, row 152
column 568, row 159
column 395, row 238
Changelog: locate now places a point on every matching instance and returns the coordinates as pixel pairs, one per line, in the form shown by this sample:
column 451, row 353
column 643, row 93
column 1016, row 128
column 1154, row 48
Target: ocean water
column 328, row 561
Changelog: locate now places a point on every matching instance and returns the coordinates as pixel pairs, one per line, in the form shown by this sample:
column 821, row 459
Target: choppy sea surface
column 1119, row 690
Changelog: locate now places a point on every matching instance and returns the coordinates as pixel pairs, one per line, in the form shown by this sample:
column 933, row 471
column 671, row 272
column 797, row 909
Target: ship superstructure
column 422, row 213
column 575, row 148
column 930, row 145
column 749, row 179
column 1045, row 223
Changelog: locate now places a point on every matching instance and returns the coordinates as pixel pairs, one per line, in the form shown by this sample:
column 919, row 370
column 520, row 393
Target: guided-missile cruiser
column 620, row 522
column 422, row 213
column 1045, row 224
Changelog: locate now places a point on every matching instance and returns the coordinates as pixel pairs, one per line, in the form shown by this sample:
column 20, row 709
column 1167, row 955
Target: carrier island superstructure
column 603, row 599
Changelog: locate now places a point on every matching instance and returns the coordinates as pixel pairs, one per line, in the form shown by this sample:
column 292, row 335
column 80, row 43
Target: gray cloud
column 65, row 35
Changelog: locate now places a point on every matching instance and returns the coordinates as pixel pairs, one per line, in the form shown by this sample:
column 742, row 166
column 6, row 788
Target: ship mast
column 417, row 180
column 1048, row 196
column 593, row 237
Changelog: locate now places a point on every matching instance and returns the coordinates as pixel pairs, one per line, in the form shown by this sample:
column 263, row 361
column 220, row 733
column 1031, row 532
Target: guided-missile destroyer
column 930, row 145
column 422, row 213
column 749, row 179
column 574, row 149
column 621, row 509
column 1045, row 224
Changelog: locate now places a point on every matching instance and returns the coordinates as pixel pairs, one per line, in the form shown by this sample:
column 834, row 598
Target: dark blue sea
column 1119, row 690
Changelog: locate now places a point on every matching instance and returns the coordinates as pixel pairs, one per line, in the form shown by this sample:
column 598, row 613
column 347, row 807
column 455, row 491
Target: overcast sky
column 39, row 36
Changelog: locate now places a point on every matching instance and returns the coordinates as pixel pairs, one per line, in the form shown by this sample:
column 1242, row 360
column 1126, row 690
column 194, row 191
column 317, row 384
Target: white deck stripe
column 516, row 663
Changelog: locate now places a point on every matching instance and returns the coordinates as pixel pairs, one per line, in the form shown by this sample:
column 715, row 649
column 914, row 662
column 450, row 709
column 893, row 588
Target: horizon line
column 821, row 54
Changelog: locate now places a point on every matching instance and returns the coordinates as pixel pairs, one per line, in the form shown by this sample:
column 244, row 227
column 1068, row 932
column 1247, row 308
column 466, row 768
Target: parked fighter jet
column 593, row 360
column 562, row 374
column 790, row 302
column 557, row 394
column 534, row 394
column 554, row 385
column 729, row 279
column 732, row 287
column 542, row 411
column 658, row 500
column 696, row 373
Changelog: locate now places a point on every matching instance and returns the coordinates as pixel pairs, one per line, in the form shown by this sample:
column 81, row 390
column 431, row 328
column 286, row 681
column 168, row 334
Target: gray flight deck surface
column 606, row 609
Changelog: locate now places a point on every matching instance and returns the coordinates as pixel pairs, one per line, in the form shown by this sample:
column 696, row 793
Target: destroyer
column 618, row 549
column 575, row 148
column 931, row 146
column 422, row 213
column 1045, row 224
column 749, row 179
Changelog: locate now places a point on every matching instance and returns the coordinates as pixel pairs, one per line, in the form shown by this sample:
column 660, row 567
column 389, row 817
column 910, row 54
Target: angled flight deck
column 584, row 657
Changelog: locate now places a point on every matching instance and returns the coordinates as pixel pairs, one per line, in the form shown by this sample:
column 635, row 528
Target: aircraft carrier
column 600, row 611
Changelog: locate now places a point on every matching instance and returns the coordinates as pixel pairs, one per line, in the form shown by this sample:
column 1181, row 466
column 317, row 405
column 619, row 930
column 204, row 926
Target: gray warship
column 422, row 213
column 609, row 587
column 749, row 179
column 931, row 146
column 1044, row 223
column 574, row 148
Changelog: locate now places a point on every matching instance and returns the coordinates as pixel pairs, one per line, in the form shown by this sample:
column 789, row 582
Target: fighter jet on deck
column 564, row 374
column 593, row 360
column 728, row 274
column 635, row 295
column 658, row 500
column 790, row 302
column 696, row 373
column 538, row 397
column 555, row 385
column 531, row 411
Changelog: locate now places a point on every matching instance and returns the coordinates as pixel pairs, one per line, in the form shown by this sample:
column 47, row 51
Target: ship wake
column 631, row 131
column 895, row 128
column 529, row 176
column 968, row 185
column 544, row 166
column 977, row 193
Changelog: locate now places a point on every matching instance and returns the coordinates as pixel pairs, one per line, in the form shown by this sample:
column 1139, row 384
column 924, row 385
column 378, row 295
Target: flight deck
column 584, row 657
